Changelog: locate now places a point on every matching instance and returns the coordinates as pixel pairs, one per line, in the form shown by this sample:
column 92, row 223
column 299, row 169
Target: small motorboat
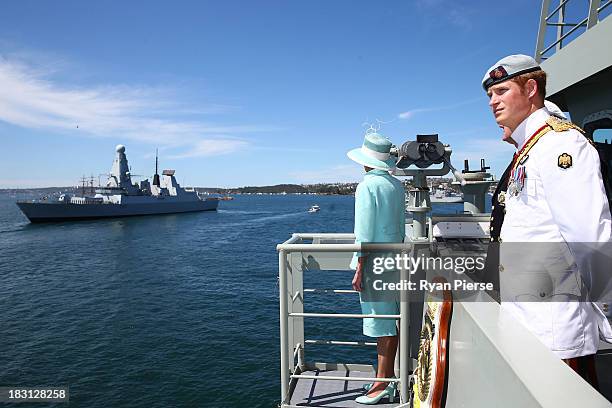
column 313, row 209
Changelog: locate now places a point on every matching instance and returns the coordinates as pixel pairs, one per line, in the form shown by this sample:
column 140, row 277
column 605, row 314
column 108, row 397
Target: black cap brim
column 491, row 81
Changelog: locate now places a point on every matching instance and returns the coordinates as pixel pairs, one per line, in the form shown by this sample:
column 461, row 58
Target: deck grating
column 329, row 393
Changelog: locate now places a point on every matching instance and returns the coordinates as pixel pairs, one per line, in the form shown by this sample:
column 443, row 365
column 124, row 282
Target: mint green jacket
column 379, row 210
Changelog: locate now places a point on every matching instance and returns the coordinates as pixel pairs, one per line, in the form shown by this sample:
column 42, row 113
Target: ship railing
column 564, row 28
column 328, row 252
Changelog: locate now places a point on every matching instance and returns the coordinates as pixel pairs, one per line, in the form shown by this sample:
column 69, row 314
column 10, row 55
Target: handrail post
column 403, row 337
column 561, row 21
column 542, row 31
column 284, row 347
column 593, row 13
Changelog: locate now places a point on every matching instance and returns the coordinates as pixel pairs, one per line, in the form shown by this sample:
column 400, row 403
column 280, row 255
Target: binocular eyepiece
column 423, row 152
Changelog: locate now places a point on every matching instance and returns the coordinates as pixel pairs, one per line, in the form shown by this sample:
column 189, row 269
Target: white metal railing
column 546, row 17
column 341, row 343
column 340, row 378
column 291, row 300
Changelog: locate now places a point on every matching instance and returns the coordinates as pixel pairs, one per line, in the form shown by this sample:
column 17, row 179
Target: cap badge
column 498, row 73
column 564, row 161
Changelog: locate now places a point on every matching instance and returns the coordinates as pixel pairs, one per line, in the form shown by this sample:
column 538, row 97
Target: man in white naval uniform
column 552, row 192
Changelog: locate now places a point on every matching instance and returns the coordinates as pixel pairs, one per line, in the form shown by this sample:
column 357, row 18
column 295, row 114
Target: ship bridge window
column 598, row 126
column 602, row 136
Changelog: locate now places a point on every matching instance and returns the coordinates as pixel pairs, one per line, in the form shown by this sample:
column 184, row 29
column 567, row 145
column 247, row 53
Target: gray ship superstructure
column 119, row 197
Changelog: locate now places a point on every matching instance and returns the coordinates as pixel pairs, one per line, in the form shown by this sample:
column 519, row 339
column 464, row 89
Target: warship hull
column 38, row 212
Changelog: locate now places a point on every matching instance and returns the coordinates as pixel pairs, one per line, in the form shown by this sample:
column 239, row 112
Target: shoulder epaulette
column 561, row 125
column 552, row 123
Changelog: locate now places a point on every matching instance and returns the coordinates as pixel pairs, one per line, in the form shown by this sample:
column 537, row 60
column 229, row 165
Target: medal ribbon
column 529, row 144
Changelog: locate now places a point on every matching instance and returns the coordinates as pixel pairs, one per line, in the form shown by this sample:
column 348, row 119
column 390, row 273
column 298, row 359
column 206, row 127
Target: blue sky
column 238, row 93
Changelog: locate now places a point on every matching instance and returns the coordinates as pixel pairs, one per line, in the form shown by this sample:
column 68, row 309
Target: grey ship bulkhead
column 121, row 198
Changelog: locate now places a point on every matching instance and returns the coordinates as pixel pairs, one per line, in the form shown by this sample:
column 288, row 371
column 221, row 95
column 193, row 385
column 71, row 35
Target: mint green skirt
column 379, row 303
column 379, row 327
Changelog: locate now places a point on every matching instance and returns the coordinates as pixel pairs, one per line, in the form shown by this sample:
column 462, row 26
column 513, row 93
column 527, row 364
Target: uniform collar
column 529, row 126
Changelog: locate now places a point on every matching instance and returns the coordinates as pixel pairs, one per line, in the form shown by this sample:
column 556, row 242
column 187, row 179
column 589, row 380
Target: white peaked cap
column 553, row 109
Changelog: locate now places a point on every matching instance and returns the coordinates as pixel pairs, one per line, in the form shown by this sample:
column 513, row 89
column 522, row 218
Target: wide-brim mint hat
column 374, row 153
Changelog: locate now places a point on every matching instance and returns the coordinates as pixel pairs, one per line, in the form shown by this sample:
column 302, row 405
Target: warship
column 454, row 351
column 119, row 197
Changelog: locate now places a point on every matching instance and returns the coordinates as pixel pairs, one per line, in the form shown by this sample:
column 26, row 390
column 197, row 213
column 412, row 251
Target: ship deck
column 342, row 394
column 332, row 393
column 486, row 346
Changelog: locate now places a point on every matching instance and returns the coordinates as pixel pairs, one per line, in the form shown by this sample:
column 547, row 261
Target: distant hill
column 322, row 188
column 42, row 189
column 338, row 188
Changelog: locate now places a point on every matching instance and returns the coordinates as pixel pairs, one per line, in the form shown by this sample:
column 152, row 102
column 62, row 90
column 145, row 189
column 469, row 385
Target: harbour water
column 162, row 311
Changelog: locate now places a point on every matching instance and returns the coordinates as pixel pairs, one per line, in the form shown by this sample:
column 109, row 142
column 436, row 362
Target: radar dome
column 120, row 148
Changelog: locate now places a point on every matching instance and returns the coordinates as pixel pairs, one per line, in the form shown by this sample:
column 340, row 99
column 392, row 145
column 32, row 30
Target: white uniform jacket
column 561, row 200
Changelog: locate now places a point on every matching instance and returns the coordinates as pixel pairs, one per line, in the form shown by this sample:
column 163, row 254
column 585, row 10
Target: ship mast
column 83, row 185
column 156, row 176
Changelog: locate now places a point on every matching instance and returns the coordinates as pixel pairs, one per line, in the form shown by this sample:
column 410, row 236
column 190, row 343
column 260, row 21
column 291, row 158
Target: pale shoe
column 387, row 392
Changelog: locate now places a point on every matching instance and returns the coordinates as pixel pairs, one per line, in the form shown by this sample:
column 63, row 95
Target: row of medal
column 517, row 180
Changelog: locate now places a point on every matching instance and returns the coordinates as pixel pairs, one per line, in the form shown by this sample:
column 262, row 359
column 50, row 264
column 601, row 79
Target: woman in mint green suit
column 379, row 217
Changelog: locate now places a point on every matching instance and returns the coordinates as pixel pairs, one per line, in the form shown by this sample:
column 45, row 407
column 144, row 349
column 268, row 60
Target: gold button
column 492, row 207
column 491, row 229
column 491, row 218
column 492, row 239
column 501, row 268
